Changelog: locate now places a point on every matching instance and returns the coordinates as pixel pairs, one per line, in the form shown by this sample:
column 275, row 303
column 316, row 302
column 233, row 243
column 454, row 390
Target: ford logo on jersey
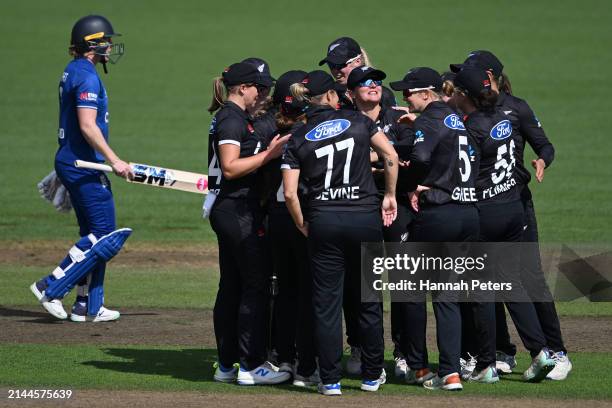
column 502, row 130
column 327, row 129
column 454, row 122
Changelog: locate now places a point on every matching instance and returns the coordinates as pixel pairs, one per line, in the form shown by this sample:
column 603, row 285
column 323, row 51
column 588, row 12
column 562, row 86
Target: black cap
column 360, row 74
column 448, row 76
column 263, row 67
column 243, row 73
column 341, row 50
column 418, row 79
column 472, row 80
column 282, row 94
column 318, row 82
column 481, row 59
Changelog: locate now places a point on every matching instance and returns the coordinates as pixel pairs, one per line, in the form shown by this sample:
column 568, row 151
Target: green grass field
column 557, row 55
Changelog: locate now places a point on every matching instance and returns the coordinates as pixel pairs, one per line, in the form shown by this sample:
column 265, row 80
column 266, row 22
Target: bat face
column 153, row 175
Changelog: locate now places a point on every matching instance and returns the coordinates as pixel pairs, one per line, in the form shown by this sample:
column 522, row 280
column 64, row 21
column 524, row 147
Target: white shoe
column 106, row 315
column 374, row 385
column 486, row 376
column 353, row 364
column 225, row 376
column 313, row 379
column 450, row 382
column 541, row 365
column 467, row 367
column 563, row 366
column 264, row 374
column 401, row 368
column 330, row 389
column 418, row 376
column 504, row 362
column 53, row 306
column 286, row 367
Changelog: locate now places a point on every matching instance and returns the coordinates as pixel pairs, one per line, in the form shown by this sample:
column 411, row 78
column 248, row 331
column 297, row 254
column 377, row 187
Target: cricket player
column 330, row 155
column 83, row 134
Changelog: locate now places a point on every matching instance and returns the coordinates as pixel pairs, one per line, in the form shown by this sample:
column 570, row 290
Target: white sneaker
column 330, row 389
column 541, row 365
column 224, row 375
column 401, row 368
column 53, row 306
column 286, row 367
column 374, row 385
column 563, row 366
column 313, row 379
column 106, row 315
column 486, row 376
column 353, row 364
column 450, row 382
column 467, row 367
column 264, row 374
column 504, row 362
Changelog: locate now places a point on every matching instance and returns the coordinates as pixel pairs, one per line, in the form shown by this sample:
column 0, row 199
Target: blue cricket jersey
column 80, row 87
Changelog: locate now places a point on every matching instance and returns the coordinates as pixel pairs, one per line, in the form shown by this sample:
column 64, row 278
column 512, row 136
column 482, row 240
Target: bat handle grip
column 94, row 166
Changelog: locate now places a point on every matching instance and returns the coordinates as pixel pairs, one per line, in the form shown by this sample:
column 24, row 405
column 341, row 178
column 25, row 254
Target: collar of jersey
column 237, row 109
column 86, row 64
column 316, row 110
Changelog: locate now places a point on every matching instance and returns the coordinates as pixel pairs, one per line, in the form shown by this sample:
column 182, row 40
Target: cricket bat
column 157, row 176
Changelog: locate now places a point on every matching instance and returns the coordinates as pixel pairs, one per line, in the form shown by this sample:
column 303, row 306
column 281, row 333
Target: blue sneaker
column 262, row 375
column 374, row 385
column 330, row 389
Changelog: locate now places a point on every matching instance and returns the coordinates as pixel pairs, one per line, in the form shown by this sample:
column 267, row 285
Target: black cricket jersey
column 527, row 129
column 442, row 157
column 398, row 134
column 232, row 125
column 332, row 152
column 496, row 154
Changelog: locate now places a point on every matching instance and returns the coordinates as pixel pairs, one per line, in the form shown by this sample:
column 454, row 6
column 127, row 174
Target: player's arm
column 426, row 140
column 291, row 179
column 387, row 153
column 233, row 166
column 535, row 136
column 94, row 137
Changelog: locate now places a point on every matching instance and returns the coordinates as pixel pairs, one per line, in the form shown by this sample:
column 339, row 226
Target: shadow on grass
column 34, row 317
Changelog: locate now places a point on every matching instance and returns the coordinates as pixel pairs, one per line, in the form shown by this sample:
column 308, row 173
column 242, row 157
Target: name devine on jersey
column 339, row 193
column 502, row 130
column 328, row 129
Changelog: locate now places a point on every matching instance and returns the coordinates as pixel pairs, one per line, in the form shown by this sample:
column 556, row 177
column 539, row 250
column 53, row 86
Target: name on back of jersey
column 339, row 193
column 328, row 129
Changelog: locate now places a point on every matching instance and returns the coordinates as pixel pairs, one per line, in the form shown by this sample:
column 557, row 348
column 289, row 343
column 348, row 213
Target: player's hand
column 122, row 169
column 414, row 197
column 539, row 167
column 389, row 210
column 408, row 117
column 303, row 229
column 275, row 148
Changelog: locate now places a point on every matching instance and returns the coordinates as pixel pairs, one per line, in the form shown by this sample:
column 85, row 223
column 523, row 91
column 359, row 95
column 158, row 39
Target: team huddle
column 302, row 170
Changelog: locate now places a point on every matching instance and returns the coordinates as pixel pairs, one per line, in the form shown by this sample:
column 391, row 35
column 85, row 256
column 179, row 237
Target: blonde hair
column 300, row 92
column 365, row 58
column 220, row 93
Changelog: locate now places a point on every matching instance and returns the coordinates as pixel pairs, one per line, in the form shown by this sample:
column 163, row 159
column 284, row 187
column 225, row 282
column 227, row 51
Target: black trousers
column 442, row 223
column 294, row 317
column 398, row 232
column 240, row 313
column 334, row 244
column 532, row 271
column 504, row 223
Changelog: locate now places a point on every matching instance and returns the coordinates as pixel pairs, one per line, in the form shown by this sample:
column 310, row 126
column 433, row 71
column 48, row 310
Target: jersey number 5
column 502, row 163
column 465, row 158
column 329, row 152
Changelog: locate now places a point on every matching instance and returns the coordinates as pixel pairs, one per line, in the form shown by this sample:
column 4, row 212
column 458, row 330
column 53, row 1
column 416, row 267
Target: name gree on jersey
column 464, row 194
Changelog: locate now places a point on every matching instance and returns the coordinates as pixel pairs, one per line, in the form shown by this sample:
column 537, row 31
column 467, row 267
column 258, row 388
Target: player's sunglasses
column 369, row 82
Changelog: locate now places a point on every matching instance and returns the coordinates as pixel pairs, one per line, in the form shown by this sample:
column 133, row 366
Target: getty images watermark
column 468, row 272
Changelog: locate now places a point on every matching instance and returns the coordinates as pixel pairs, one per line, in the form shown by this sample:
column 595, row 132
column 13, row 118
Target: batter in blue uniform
column 83, row 135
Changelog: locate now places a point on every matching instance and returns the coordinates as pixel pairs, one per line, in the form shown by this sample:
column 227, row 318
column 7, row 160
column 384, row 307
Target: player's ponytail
column 504, row 84
column 219, row 95
column 365, row 59
column 300, row 92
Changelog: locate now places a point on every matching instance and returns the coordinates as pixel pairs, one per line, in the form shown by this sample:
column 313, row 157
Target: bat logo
column 202, row 184
column 153, row 175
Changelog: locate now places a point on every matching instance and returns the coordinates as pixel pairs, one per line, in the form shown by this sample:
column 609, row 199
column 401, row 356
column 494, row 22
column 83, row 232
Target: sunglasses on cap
column 331, row 65
column 369, row 82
